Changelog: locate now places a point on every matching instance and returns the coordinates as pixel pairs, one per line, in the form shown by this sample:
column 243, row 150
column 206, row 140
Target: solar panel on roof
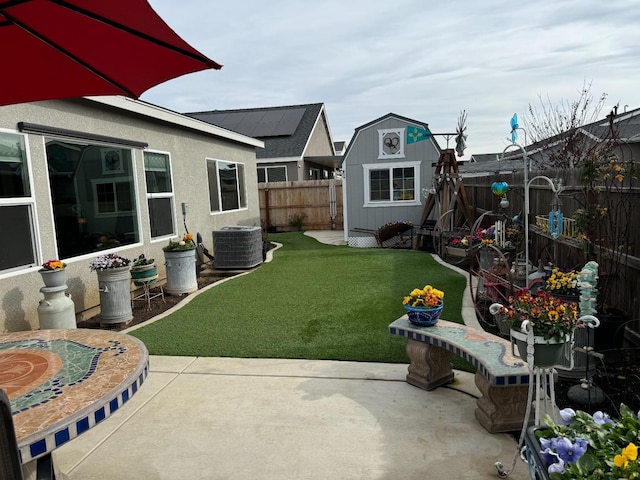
column 276, row 123
column 258, row 123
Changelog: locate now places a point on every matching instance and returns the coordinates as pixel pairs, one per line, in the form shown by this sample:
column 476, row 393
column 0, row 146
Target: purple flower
column 556, row 464
column 602, row 418
column 556, row 467
column 548, row 455
column 570, row 452
column 567, row 415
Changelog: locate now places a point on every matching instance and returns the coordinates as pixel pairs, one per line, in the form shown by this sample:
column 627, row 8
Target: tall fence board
column 320, row 201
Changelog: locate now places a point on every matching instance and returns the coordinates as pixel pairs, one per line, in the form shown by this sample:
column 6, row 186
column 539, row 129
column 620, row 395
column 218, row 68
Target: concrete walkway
column 228, row 418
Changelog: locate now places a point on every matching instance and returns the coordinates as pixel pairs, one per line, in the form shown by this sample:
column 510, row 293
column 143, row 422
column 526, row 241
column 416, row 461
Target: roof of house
column 284, row 130
column 626, row 125
column 165, row 115
column 484, row 157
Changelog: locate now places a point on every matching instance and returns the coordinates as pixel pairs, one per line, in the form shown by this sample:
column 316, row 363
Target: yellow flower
column 406, row 300
column 629, row 453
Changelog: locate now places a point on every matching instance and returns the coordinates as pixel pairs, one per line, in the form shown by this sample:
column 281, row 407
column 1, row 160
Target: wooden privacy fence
column 568, row 251
column 320, row 201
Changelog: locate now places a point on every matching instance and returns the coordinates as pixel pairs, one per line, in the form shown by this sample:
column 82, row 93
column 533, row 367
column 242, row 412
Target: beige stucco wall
column 188, row 148
column 320, row 140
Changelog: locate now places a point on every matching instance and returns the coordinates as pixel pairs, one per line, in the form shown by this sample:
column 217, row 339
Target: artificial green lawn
column 313, row 301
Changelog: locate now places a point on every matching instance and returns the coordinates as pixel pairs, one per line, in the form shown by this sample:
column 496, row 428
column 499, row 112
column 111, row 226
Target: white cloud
column 427, row 61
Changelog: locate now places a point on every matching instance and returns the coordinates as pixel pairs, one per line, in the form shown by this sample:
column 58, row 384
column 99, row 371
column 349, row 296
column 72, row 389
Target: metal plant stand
column 541, row 381
column 147, row 284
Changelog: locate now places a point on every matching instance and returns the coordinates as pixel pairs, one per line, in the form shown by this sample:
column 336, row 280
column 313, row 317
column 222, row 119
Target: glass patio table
column 63, row 382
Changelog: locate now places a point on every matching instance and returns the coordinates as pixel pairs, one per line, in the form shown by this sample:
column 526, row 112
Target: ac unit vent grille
column 237, row 247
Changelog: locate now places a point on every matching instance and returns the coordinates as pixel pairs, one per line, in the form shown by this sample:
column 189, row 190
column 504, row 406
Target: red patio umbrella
column 71, row 48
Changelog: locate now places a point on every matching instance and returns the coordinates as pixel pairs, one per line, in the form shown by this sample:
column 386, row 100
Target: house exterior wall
column 188, row 149
column 363, row 152
column 320, row 141
column 291, row 165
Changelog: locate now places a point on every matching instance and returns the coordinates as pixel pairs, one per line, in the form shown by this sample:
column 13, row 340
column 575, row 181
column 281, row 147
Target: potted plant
column 586, row 446
column 53, row 273
column 180, row 261
column 549, row 320
column 114, row 286
column 458, row 246
column 563, row 285
column 424, row 306
column 296, row 220
column 143, row 271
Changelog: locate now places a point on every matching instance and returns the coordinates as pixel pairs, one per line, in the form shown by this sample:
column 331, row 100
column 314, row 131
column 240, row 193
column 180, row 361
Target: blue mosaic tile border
column 520, row 373
column 62, row 436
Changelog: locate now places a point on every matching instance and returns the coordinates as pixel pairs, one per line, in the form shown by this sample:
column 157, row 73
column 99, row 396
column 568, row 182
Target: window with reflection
column 160, row 198
column 93, row 195
column 17, row 205
column 227, row 188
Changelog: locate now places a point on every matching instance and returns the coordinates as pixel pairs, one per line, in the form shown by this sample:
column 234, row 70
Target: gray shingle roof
column 285, row 130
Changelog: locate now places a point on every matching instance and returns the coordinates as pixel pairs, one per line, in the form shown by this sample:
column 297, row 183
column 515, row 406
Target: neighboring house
column 88, row 176
column 545, row 153
column 340, row 147
column 297, row 140
column 387, row 165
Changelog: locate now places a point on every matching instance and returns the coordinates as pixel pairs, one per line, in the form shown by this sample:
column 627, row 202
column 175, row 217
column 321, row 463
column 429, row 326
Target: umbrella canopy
column 72, row 48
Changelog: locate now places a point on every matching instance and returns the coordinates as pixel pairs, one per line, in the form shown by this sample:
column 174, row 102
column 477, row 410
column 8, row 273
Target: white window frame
column 382, row 134
column 273, row 167
column 111, row 181
column 240, row 184
column 30, row 203
column 368, row 167
column 154, row 196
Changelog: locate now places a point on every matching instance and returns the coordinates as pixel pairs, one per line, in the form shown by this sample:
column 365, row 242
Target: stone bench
column 501, row 378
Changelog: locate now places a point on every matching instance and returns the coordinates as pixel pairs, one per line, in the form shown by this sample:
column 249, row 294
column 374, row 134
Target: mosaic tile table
column 63, row 382
column 502, row 378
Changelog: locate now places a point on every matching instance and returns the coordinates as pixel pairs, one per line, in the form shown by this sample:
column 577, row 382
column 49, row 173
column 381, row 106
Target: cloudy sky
column 424, row 60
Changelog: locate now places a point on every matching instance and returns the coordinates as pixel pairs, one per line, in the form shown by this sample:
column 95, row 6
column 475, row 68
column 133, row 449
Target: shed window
column 391, row 184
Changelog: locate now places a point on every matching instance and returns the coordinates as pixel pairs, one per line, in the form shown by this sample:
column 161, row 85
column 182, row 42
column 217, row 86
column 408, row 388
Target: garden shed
column 387, row 165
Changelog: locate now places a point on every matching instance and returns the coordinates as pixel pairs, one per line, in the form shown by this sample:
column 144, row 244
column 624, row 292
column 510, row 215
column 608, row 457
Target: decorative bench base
column 501, row 378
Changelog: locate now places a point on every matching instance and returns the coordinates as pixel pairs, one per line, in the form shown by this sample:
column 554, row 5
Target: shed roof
column 385, row 117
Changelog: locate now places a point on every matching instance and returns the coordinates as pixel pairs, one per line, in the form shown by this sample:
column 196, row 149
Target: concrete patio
column 229, row 418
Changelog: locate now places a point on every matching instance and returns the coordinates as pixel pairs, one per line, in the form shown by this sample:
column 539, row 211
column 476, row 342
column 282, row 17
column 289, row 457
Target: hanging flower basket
column 547, row 353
